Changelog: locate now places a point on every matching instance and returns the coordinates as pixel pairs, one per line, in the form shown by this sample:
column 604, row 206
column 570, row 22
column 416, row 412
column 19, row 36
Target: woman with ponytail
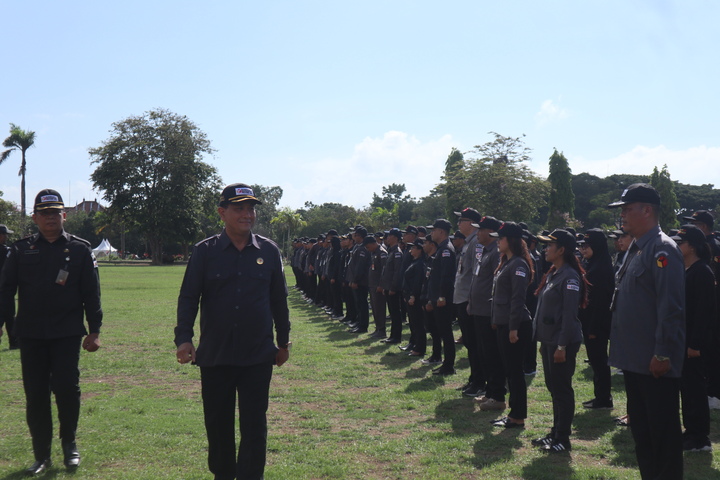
column 557, row 327
column 511, row 318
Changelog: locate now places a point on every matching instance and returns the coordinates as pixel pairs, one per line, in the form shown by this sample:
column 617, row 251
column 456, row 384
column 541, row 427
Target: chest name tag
column 62, row 277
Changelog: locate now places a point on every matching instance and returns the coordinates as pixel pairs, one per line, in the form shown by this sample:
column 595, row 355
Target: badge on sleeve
column 573, row 284
column 446, row 253
column 661, row 259
column 520, row 272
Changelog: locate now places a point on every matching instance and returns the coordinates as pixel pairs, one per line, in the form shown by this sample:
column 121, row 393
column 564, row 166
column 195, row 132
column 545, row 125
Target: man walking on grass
column 237, row 279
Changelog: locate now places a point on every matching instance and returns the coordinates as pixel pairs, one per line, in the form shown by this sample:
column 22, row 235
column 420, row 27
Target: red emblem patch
column 661, row 261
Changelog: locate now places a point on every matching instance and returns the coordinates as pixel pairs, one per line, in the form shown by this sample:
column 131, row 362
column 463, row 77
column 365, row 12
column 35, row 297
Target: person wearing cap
column 511, row 317
column 596, row 315
column 391, row 283
column 412, row 290
column 61, row 270
column 621, row 242
column 531, row 350
column 10, row 322
column 487, row 259
column 704, row 220
column 557, row 327
column 237, row 280
column 467, row 257
column 441, row 286
column 334, row 276
column 409, row 235
column 699, row 316
column 359, row 270
column 347, row 295
column 378, row 257
column 647, row 336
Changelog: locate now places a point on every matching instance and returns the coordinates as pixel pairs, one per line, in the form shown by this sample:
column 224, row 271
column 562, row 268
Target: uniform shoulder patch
column 661, row 259
column 573, row 284
column 520, row 272
column 446, row 253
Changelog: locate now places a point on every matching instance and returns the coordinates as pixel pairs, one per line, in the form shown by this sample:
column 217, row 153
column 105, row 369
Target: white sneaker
column 492, row 404
column 714, row 403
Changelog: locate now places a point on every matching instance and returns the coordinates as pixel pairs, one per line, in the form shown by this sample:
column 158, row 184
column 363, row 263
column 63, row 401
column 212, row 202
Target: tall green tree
column 497, row 181
column 561, row 203
column 151, row 170
column 394, row 196
column 289, row 222
column 669, row 206
column 454, row 165
column 21, row 140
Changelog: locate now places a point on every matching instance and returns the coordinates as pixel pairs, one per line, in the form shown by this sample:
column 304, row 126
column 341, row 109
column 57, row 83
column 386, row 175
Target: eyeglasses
column 50, row 212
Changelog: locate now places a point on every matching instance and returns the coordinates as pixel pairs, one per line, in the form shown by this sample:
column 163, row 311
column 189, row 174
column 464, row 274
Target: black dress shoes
column 38, row 467
column 71, row 456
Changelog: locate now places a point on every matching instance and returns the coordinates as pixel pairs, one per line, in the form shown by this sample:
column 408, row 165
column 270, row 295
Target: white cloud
column 550, row 111
column 396, row 157
column 695, row 165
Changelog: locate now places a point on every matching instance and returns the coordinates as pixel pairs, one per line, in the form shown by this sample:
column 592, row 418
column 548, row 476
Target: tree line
column 161, row 191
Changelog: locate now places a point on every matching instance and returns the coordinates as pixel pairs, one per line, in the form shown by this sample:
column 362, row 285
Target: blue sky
column 333, row 100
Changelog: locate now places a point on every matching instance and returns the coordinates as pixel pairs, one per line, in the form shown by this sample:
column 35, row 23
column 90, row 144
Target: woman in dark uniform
column 511, row 317
column 596, row 316
column 413, row 279
column 557, row 327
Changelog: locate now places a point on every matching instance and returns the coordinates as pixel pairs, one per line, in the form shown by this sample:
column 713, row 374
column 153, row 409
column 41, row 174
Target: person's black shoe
column 406, row 348
column 391, row 341
column 377, row 334
column 358, row 330
column 352, row 325
column 464, row 387
column 473, row 391
column 71, row 456
column 557, row 447
column 38, row 467
column 444, row 371
column 596, row 404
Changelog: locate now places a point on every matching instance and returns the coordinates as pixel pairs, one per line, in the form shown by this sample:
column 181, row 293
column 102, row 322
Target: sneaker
column 596, row 404
column 530, row 374
column 444, row 371
column 714, row 403
column 492, row 404
column 481, row 399
column 432, row 361
column 542, row 441
column 557, row 447
column 473, row 391
column 691, row 444
column 464, row 387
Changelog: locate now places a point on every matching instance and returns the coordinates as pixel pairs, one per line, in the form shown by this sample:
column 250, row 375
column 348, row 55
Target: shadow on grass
column 425, row 384
column 550, row 466
column 699, row 466
column 593, row 424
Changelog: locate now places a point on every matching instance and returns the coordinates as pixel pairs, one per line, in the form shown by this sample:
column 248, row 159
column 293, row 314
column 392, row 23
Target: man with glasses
column 56, row 277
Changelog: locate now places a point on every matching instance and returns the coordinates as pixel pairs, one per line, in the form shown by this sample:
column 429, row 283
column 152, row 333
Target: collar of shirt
column 225, row 241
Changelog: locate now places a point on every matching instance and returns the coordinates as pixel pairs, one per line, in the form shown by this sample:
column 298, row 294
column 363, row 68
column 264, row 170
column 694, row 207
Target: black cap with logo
column 47, row 199
column 236, row 193
column 561, row 237
column 638, row 192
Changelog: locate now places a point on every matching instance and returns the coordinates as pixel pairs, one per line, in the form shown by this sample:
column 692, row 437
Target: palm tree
column 290, row 221
column 19, row 139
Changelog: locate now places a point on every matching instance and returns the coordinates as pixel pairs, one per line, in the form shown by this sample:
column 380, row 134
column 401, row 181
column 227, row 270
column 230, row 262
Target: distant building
column 86, row 206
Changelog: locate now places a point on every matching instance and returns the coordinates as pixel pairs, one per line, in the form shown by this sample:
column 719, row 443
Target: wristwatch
column 561, row 348
column 286, row 346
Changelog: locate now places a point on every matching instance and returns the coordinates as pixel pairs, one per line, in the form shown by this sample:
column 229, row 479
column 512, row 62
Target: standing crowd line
column 650, row 309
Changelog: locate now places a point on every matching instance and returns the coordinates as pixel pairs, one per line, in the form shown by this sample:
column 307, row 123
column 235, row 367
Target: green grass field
column 343, row 407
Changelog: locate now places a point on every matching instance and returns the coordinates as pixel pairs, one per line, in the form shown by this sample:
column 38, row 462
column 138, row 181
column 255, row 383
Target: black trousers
column 558, row 380
column 597, row 352
column 431, row 326
column 470, row 341
column 337, row 297
column 653, row 405
column 349, row 299
column 379, row 311
column 695, row 409
column 396, row 324
column 490, row 357
column 512, row 355
column 361, row 305
column 444, row 318
column 220, row 388
column 311, row 283
column 51, row 366
column 418, row 336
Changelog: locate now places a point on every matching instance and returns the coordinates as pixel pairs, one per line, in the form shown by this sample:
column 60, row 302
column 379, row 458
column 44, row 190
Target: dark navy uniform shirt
column 48, row 305
column 241, row 294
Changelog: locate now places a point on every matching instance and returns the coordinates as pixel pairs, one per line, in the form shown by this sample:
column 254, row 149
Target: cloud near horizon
column 550, row 111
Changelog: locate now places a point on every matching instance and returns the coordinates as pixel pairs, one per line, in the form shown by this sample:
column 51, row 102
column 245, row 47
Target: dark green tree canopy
column 669, row 207
column 561, row 202
column 151, row 171
column 394, row 197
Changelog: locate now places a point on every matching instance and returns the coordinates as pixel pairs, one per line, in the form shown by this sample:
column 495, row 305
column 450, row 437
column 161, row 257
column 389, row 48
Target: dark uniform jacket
column 241, row 295
column 441, row 282
column 379, row 257
column 48, row 307
column 487, row 260
column 413, row 280
column 465, row 265
column 700, row 305
column 509, row 287
column 596, row 317
column 392, row 276
column 556, row 320
column 360, row 266
column 649, row 308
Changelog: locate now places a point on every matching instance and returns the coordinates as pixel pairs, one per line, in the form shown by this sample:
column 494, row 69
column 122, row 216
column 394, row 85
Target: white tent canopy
column 104, row 249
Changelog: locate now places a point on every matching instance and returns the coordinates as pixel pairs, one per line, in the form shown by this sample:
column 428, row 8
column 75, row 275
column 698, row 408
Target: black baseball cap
column 457, row 234
column 442, row 224
column 702, row 216
column 508, row 229
column 593, row 237
column 411, row 229
column 369, row 239
column 47, row 199
column 379, row 235
column 488, row 222
column 4, row 229
column 422, row 230
column 638, row 192
column 418, row 243
column 470, row 213
column 561, row 237
column 236, row 193
column 332, row 231
column 691, row 234
column 395, row 232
